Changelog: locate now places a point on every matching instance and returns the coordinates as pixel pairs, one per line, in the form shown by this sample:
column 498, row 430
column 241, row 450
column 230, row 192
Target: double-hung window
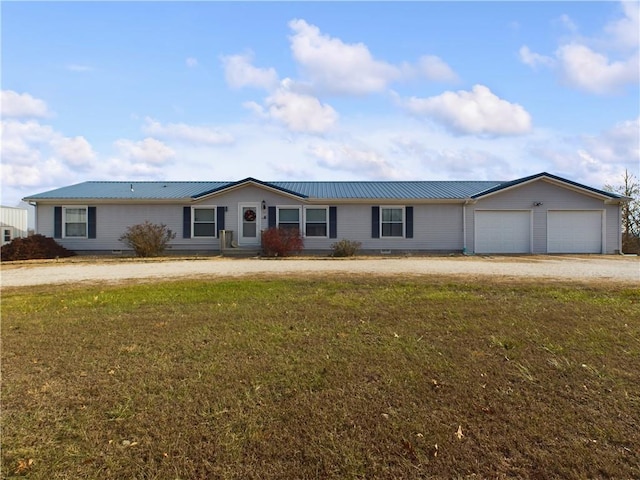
column 392, row 221
column 204, row 221
column 289, row 217
column 316, row 221
column 74, row 221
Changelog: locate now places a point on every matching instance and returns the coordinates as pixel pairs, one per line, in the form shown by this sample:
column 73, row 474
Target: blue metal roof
column 129, row 191
column 387, row 190
column 391, row 190
column 311, row 190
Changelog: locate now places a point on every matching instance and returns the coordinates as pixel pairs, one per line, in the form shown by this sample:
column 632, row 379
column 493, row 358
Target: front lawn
column 341, row 377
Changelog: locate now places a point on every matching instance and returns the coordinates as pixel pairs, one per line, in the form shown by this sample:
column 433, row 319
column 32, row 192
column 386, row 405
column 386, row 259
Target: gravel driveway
column 624, row 269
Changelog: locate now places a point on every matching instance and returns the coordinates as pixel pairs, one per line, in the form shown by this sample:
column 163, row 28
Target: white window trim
column 64, row 221
column 316, row 207
column 290, row 207
column 215, row 220
column 4, row 231
column 404, row 221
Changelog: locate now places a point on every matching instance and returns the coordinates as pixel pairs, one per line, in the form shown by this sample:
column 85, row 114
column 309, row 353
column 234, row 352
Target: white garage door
column 574, row 231
column 503, row 231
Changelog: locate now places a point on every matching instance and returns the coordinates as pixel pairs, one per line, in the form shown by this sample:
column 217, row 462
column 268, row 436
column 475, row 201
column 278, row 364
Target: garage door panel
column 578, row 231
column 503, row 231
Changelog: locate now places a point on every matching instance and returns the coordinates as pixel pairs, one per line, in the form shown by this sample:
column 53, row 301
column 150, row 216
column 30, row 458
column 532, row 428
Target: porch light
column 264, row 205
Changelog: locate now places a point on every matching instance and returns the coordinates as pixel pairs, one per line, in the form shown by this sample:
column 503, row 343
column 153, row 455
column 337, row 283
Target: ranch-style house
column 538, row 214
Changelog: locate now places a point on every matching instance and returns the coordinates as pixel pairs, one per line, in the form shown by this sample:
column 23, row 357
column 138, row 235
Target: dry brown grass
column 346, row 377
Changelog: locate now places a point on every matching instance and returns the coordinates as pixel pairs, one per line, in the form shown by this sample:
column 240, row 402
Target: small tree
column 281, row 242
column 630, row 212
column 148, row 239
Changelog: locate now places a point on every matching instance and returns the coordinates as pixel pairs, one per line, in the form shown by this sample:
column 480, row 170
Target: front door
column 249, row 224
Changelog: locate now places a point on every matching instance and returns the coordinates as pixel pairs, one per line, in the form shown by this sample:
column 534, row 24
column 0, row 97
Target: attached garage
column 503, row 231
column 574, row 231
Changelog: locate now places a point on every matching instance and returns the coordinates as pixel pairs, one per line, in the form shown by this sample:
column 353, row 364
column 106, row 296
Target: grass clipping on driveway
column 343, row 377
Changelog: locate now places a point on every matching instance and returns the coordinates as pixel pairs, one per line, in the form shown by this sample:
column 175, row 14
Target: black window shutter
column 272, row 217
column 57, row 222
column 186, row 222
column 220, row 219
column 375, row 222
column 408, row 211
column 91, row 215
column 333, row 222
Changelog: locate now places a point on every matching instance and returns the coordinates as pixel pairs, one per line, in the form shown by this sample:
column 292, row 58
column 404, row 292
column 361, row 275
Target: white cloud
column 566, row 21
column 594, row 72
column 48, row 172
column 28, row 157
column 618, row 145
column 148, row 151
column 471, row 163
column 599, row 159
column 602, row 64
column 444, row 159
column 191, row 62
column 22, row 141
column 76, row 152
column 329, row 65
column 297, row 111
column 476, row 112
column 187, row 133
column 366, row 163
column 255, row 108
column 625, row 31
column 534, row 59
column 119, row 169
column 436, row 69
column 22, row 105
column 239, row 72
column 337, row 67
column 25, row 143
column 74, row 67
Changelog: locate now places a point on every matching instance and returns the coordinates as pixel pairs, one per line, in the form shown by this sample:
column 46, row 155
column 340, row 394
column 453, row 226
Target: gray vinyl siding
column 441, row 226
column 436, row 227
column 112, row 222
column 553, row 197
column 248, row 194
column 613, row 227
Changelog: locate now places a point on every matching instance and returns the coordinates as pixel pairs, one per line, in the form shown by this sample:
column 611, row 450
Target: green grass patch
column 342, row 377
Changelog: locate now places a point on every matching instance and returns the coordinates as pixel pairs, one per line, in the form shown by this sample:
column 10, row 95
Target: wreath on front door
column 249, row 215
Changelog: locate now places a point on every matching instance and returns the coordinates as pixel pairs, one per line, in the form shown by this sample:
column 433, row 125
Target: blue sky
column 317, row 91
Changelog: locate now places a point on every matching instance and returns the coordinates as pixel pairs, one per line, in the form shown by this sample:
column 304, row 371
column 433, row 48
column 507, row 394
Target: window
column 315, row 222
column 75, row 222
column 204, row 222
column 392, row 223
column 289, row 218
column 6, row 235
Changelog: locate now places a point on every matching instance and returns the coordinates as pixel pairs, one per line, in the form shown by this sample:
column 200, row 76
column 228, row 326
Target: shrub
column 281, row 242
column 148, row 239
column 33, row 247
column 345, row 248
